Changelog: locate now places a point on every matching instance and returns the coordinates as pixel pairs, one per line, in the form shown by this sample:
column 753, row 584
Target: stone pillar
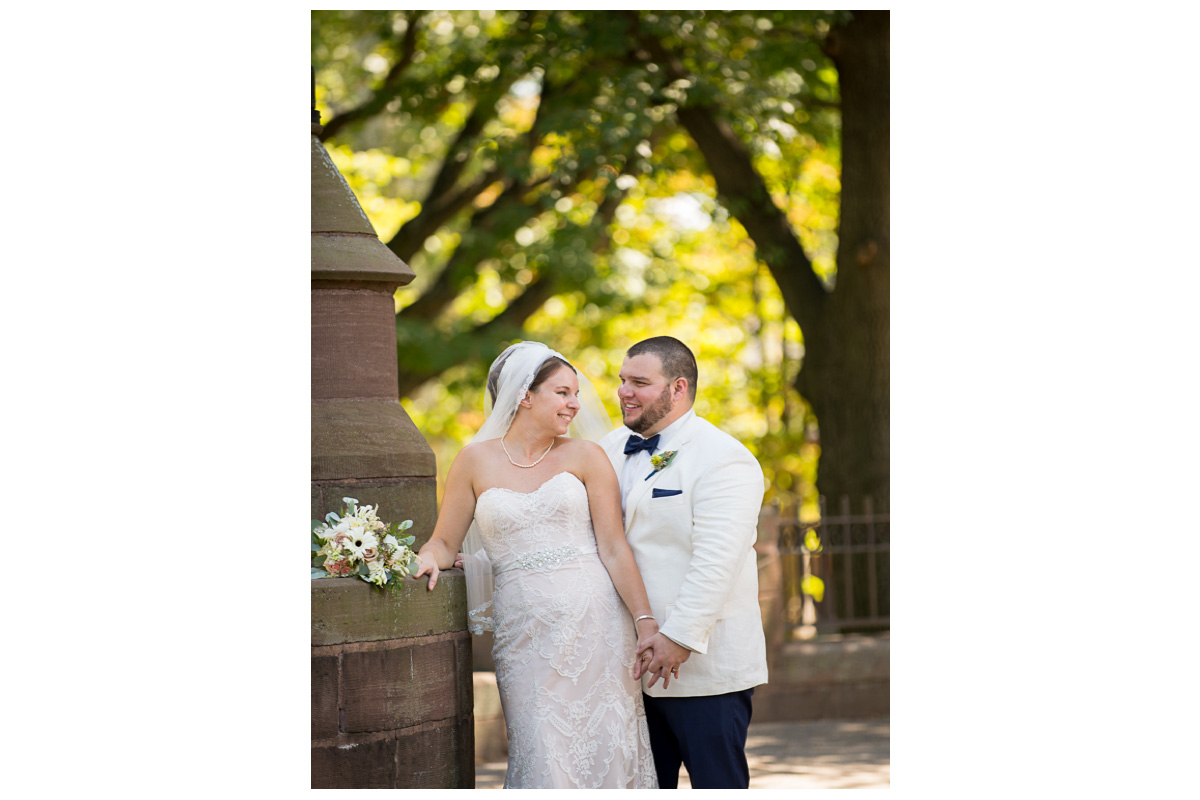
column 363, row 443
column 391, row 686
column 391, row 672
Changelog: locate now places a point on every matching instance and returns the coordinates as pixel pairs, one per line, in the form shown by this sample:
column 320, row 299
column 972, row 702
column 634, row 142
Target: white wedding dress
column 564, row 645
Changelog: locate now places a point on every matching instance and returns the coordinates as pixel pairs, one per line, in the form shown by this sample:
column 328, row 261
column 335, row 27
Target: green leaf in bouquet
column 407, row 540
column 332, row 517
column 319, row 561
column 403, row 526
column 316, row 546
column 316, row 523
column 350, row 501
column 319, row 573
column 363, row 571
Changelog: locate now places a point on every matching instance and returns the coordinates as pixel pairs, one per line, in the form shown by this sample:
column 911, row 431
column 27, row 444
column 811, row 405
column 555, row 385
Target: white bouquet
column 358, row 543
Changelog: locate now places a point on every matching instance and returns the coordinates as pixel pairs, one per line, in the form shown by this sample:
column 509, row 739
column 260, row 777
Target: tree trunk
column 845, row 372
column 846, row 364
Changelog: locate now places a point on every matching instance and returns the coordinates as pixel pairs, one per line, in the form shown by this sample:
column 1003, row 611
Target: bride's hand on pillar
column 428, row 566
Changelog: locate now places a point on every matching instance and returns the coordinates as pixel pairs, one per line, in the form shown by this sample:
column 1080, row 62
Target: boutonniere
column 660, row 462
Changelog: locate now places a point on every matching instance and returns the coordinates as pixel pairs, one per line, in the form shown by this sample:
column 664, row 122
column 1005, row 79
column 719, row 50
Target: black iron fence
column 837, row 570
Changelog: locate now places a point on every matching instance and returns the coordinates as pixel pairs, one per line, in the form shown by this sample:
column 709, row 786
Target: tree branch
column 388, row 89
column 743, row 191
column 443, row 201
column 477, row 342
column 487, row 226
column 436, row 212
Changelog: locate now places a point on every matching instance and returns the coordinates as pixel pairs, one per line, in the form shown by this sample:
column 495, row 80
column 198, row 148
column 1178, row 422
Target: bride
column 538, row 517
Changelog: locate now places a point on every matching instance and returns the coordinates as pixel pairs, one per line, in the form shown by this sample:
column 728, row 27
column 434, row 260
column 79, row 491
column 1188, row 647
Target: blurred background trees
column 591, row 178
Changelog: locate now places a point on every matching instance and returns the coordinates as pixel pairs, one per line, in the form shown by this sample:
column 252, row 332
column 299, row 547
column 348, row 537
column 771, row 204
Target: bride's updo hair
column 550, row 366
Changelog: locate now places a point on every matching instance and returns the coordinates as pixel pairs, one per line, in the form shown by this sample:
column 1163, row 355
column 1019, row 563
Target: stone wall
column 391, row 686
column 830, row 677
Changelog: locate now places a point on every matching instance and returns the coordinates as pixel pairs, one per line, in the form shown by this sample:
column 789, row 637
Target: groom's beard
column 652, row 413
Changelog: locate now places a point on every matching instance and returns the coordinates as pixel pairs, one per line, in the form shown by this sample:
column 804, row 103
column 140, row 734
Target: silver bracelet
column 642, row 617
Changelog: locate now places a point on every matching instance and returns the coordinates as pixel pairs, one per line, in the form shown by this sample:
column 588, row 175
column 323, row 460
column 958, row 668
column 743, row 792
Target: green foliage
column 594, row 220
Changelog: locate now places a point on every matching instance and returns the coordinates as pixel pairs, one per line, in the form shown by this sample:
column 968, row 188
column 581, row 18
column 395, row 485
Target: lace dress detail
column 564, row 645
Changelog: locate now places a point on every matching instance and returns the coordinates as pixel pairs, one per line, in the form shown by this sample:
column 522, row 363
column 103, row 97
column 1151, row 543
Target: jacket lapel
column 643, row 486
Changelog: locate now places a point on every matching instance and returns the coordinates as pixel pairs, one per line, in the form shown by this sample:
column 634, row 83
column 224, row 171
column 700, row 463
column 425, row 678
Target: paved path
column 828, row 754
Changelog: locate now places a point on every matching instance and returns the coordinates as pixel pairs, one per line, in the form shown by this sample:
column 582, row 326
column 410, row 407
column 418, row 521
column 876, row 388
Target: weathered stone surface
column 315, row 503
column 367, row 439
column 440, row 757
column 836, row 659
column 344, row 243
column 332, row 203
column 836, row 677
column 464, row 690
column 351, row 610
column 384, row 677
column 324, row 689
column 353, row 352
column 399, row 687
column 357, row 257
column 366, row 765
column 397, row 500
column 822, row 701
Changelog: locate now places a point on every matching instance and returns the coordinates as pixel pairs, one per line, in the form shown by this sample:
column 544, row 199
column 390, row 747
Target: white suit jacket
column 695, row 551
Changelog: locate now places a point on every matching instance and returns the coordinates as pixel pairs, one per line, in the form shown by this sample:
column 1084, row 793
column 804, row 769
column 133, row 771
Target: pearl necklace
column 526, row 466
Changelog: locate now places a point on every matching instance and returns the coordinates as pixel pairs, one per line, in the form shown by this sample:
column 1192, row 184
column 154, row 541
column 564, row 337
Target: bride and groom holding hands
column 616, row 569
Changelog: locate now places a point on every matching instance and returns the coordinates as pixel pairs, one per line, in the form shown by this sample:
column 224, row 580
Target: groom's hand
column 666, row 656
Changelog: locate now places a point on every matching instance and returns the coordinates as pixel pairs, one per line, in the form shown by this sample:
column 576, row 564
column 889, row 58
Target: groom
column 691, row 496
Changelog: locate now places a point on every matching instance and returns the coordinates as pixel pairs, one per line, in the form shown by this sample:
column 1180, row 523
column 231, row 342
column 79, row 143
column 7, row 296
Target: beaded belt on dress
column 542, row 559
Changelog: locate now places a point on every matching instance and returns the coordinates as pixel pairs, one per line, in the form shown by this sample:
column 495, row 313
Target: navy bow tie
column 636, row 443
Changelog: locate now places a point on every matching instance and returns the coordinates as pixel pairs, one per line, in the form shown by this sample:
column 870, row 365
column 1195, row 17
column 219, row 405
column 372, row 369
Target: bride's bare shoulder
column 477, row 452
column 580, row 447
column 586, row 454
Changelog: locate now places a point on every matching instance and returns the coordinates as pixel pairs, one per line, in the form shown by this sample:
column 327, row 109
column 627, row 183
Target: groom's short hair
column 677, row 360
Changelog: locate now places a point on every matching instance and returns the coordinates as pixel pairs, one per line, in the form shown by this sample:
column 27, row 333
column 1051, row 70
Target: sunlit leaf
column 812, row 542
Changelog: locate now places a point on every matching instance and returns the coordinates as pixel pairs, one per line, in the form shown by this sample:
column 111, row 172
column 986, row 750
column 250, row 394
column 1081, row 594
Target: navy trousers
column 705, row 734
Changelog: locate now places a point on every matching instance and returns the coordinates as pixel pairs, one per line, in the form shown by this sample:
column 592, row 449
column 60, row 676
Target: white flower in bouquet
column 362, row 541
